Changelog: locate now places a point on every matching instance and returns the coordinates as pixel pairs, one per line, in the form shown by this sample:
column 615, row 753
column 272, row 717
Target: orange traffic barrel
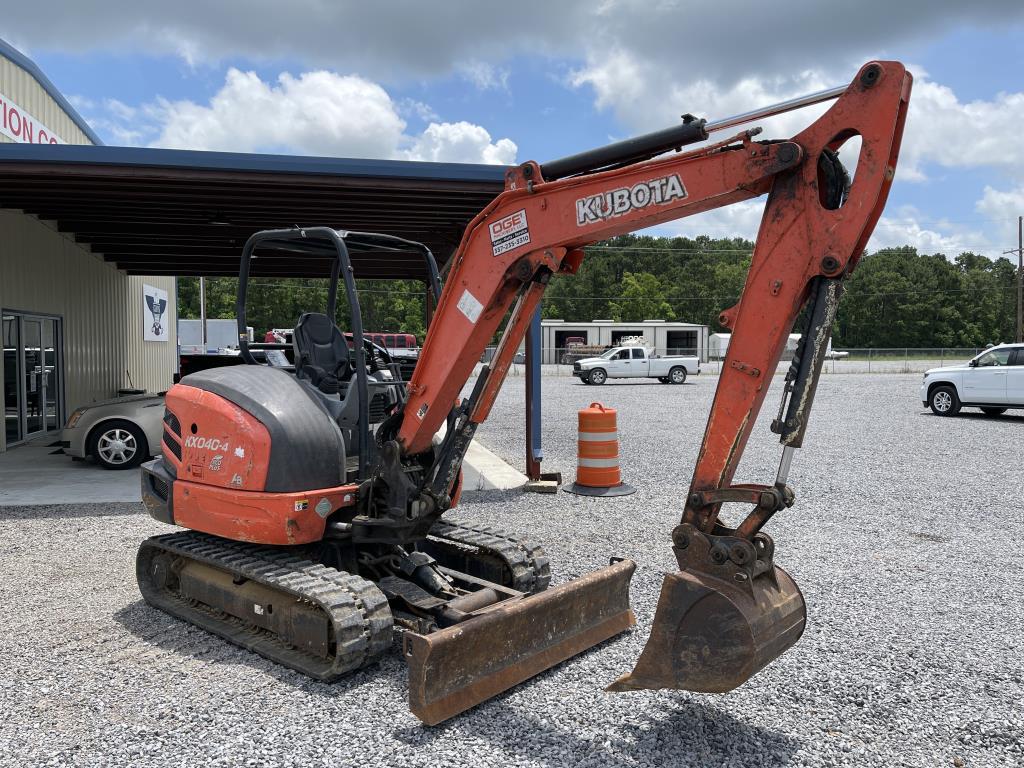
column 597, row 451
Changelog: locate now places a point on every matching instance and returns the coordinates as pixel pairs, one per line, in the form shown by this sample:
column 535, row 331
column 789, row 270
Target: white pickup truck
column 635, row 363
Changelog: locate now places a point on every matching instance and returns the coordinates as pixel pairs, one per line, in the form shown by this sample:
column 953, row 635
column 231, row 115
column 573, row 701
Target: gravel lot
column 905, row 540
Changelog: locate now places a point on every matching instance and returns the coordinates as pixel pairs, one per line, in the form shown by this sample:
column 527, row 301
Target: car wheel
column 993, row 411
column 677, row 375
column 118, row 445
column 944, row 401
column 597, row 376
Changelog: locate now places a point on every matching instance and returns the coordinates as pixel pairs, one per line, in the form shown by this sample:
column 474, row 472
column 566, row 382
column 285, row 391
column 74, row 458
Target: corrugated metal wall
column 19, row 86
column 43, row 271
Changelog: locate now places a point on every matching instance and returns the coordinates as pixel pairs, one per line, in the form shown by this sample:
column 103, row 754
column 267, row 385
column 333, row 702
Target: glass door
column 35, row 379
column 32, row 376
column 12, row 377
column 50, row 400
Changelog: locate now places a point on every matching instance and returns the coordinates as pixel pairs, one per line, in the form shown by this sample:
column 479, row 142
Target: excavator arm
column 538, row 228
column 729, row 610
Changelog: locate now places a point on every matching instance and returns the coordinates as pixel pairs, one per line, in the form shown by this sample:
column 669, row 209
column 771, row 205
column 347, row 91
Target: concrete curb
column 483, row 470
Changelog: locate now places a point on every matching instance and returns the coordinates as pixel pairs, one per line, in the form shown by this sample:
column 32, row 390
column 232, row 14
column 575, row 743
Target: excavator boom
column 729, row 610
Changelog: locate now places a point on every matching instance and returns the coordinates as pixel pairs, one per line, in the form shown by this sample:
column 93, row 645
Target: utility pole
column 1020, row 277
column 202, row 310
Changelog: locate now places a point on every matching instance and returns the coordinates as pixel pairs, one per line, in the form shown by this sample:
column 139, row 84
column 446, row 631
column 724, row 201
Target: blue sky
column 460, row 81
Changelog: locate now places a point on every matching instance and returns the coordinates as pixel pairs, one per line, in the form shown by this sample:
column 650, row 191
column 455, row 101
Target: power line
column 749, row 251
column 935, row 292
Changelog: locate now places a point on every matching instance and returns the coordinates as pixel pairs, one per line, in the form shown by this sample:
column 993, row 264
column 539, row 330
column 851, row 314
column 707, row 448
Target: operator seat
column 321, row 352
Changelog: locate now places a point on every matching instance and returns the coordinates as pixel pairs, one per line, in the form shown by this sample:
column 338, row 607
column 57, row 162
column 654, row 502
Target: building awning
column 178, row 212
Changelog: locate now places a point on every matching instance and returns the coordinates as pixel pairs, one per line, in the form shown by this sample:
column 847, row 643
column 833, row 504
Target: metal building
column 93, row 237
column 665, row 337
column 73, row 326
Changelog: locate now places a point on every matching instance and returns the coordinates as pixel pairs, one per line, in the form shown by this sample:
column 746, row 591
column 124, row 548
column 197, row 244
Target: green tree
column 642, row 297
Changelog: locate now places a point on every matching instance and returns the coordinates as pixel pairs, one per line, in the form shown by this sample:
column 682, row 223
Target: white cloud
column 485, row 76
column 315, row 113
column 1001, row 208
column 943, row 130
column 81, row 102
column 640, row 95
column 905, row 227
column 418, row 109
column 120, row 110
column 738, row 220
column 455, row 142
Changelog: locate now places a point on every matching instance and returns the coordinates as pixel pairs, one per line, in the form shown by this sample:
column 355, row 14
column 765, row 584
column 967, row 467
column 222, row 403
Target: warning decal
column 470, row 307
column 509, row 232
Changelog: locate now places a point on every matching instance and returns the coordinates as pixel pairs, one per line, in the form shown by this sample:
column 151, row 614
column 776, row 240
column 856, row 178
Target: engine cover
column 250, row 454
column 254, row 428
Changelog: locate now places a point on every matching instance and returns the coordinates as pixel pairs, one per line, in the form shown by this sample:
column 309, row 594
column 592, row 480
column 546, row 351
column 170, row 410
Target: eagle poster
column 155, row 314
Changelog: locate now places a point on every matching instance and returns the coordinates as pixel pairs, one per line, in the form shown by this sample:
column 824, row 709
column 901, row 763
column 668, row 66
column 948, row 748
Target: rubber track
column 527, row 562
column 358, row 611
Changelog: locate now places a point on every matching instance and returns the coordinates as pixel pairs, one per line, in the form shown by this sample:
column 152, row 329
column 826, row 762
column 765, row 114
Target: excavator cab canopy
column 340, row 253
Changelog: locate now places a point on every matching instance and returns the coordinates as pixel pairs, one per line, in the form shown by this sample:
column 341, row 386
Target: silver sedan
column 119, row 434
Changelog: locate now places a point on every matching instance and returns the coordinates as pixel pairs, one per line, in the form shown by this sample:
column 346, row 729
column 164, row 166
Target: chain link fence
column 559, row 362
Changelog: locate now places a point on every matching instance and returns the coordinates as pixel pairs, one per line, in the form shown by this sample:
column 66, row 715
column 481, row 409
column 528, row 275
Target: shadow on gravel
column 68, row 511
column 156, row 628
column 644, row 383
column 690, row 733
column 978, row 416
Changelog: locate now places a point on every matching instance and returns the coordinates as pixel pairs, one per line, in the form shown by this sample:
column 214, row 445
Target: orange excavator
column 315, row 493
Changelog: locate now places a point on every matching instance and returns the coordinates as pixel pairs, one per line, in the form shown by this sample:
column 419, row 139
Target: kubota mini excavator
column 315, row 497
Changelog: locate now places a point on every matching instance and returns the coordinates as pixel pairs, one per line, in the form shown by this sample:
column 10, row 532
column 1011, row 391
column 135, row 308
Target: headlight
column 74, row 418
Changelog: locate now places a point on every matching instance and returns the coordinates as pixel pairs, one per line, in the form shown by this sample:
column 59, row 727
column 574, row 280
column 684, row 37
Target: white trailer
column 220, row 335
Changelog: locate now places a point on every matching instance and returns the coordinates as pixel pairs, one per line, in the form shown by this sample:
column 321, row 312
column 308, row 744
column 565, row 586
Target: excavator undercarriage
column 289, row 607
column 317, row 522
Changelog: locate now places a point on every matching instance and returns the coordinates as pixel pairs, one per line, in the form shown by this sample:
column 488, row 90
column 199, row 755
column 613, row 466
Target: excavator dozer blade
column 712, row 635
column 456, row 668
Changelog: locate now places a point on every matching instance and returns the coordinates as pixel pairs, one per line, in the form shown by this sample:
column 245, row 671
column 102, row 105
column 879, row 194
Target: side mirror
column 973, row 364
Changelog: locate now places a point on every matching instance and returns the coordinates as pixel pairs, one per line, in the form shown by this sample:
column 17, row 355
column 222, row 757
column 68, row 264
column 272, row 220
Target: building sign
column 17, row 124
column 155, row 313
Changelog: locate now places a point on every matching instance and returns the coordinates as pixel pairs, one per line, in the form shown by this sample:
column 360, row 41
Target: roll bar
column 313, row 239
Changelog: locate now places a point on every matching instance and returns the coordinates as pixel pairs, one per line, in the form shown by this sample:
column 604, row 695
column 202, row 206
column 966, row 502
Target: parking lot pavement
column 905, row 541
column 39, row 473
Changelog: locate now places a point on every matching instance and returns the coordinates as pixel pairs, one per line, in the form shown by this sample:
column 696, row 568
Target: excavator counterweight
column 316, row 489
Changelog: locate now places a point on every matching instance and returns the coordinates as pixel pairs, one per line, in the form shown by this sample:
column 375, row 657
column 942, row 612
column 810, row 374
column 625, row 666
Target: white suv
column 993, row 381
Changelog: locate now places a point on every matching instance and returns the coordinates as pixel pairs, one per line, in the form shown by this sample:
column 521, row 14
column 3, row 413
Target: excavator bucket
column 711, row 634
column 456, row 668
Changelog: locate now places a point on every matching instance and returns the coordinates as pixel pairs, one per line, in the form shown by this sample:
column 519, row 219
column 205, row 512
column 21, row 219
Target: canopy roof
column 178, row 212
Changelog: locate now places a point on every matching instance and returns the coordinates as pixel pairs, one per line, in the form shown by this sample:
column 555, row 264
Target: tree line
column 897, row 297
